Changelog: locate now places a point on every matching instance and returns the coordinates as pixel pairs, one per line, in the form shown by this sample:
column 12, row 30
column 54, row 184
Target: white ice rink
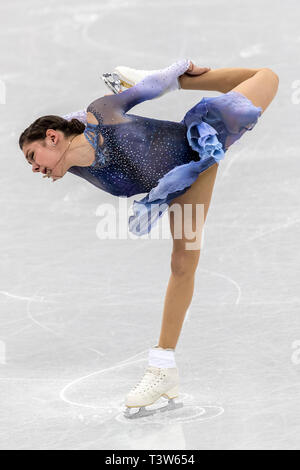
column 78, row 314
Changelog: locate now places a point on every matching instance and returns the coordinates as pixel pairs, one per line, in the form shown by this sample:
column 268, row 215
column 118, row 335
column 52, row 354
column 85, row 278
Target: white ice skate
column 156, row 383
column 129, row 76
column 126, row 77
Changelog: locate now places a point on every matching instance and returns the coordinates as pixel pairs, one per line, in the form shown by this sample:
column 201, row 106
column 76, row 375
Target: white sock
column 159, row 357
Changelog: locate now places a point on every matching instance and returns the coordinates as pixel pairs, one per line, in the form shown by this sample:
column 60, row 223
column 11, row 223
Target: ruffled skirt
column 213, row 125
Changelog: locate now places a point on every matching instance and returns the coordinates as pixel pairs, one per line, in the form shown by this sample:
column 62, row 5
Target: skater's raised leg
column 258, row 85
column 129, row 77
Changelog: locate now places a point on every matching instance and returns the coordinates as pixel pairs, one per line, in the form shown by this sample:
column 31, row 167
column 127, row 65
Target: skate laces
column 152, row 370
column 148, row 377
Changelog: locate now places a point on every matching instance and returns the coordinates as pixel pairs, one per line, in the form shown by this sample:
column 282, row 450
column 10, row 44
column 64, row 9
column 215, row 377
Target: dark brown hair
column 37, row 130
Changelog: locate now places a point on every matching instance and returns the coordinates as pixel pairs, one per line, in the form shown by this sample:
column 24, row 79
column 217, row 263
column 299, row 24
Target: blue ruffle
column 202, row 138
column 231, row 115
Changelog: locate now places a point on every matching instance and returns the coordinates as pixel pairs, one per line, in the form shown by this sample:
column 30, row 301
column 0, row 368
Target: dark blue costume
column 160, row 158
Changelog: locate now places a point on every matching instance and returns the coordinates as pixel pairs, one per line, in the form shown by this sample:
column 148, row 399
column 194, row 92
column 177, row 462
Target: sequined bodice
column 136, row 151
column 161, row 158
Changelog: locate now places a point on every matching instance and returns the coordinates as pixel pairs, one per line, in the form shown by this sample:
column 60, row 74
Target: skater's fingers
column 198, row 70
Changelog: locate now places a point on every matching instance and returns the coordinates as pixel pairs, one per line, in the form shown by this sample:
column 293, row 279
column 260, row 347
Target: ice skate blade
column 112, row 81
column 125, row 82
column 172, row 405
column 143, row 412
column 138, row 414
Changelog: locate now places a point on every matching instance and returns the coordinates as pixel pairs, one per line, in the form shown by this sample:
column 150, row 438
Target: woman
column 174, row 163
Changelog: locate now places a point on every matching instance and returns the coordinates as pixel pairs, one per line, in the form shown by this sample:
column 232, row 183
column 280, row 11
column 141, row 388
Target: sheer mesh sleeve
column 109, row 109
column 80, row 115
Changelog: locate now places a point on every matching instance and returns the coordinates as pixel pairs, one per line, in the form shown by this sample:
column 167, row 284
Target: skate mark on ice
column 34, row 298
column 186, row 414
column 230, row 163
column 50, row 330
column 40, row 325
column 232, row 281
column 263, row 234
column 69, row 388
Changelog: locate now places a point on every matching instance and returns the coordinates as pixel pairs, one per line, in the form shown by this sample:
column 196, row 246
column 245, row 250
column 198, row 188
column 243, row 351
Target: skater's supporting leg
column 184, row 261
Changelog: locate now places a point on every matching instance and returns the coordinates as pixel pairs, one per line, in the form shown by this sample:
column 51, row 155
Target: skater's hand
column 195, row 70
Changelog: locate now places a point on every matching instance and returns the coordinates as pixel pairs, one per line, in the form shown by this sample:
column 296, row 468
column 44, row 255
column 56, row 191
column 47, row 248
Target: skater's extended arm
column 150, row 87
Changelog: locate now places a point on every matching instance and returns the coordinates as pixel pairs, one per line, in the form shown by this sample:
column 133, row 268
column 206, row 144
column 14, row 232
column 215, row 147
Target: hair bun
column 75, row 126
column 37, row 130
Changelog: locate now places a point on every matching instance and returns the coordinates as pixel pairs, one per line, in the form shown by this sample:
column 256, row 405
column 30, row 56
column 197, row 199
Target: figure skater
column 175, row 163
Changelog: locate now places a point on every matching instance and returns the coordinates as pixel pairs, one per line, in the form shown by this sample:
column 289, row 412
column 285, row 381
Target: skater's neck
column 82, row 154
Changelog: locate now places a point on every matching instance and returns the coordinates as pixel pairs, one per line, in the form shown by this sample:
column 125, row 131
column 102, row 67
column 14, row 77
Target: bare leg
column 258, row 85
column 184, row 262
column 222, row 80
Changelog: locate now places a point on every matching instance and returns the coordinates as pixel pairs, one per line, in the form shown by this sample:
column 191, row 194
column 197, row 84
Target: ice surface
column 78, row 314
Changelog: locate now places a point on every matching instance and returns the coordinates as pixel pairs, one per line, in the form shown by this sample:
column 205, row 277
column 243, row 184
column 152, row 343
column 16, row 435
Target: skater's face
column 44, row 155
